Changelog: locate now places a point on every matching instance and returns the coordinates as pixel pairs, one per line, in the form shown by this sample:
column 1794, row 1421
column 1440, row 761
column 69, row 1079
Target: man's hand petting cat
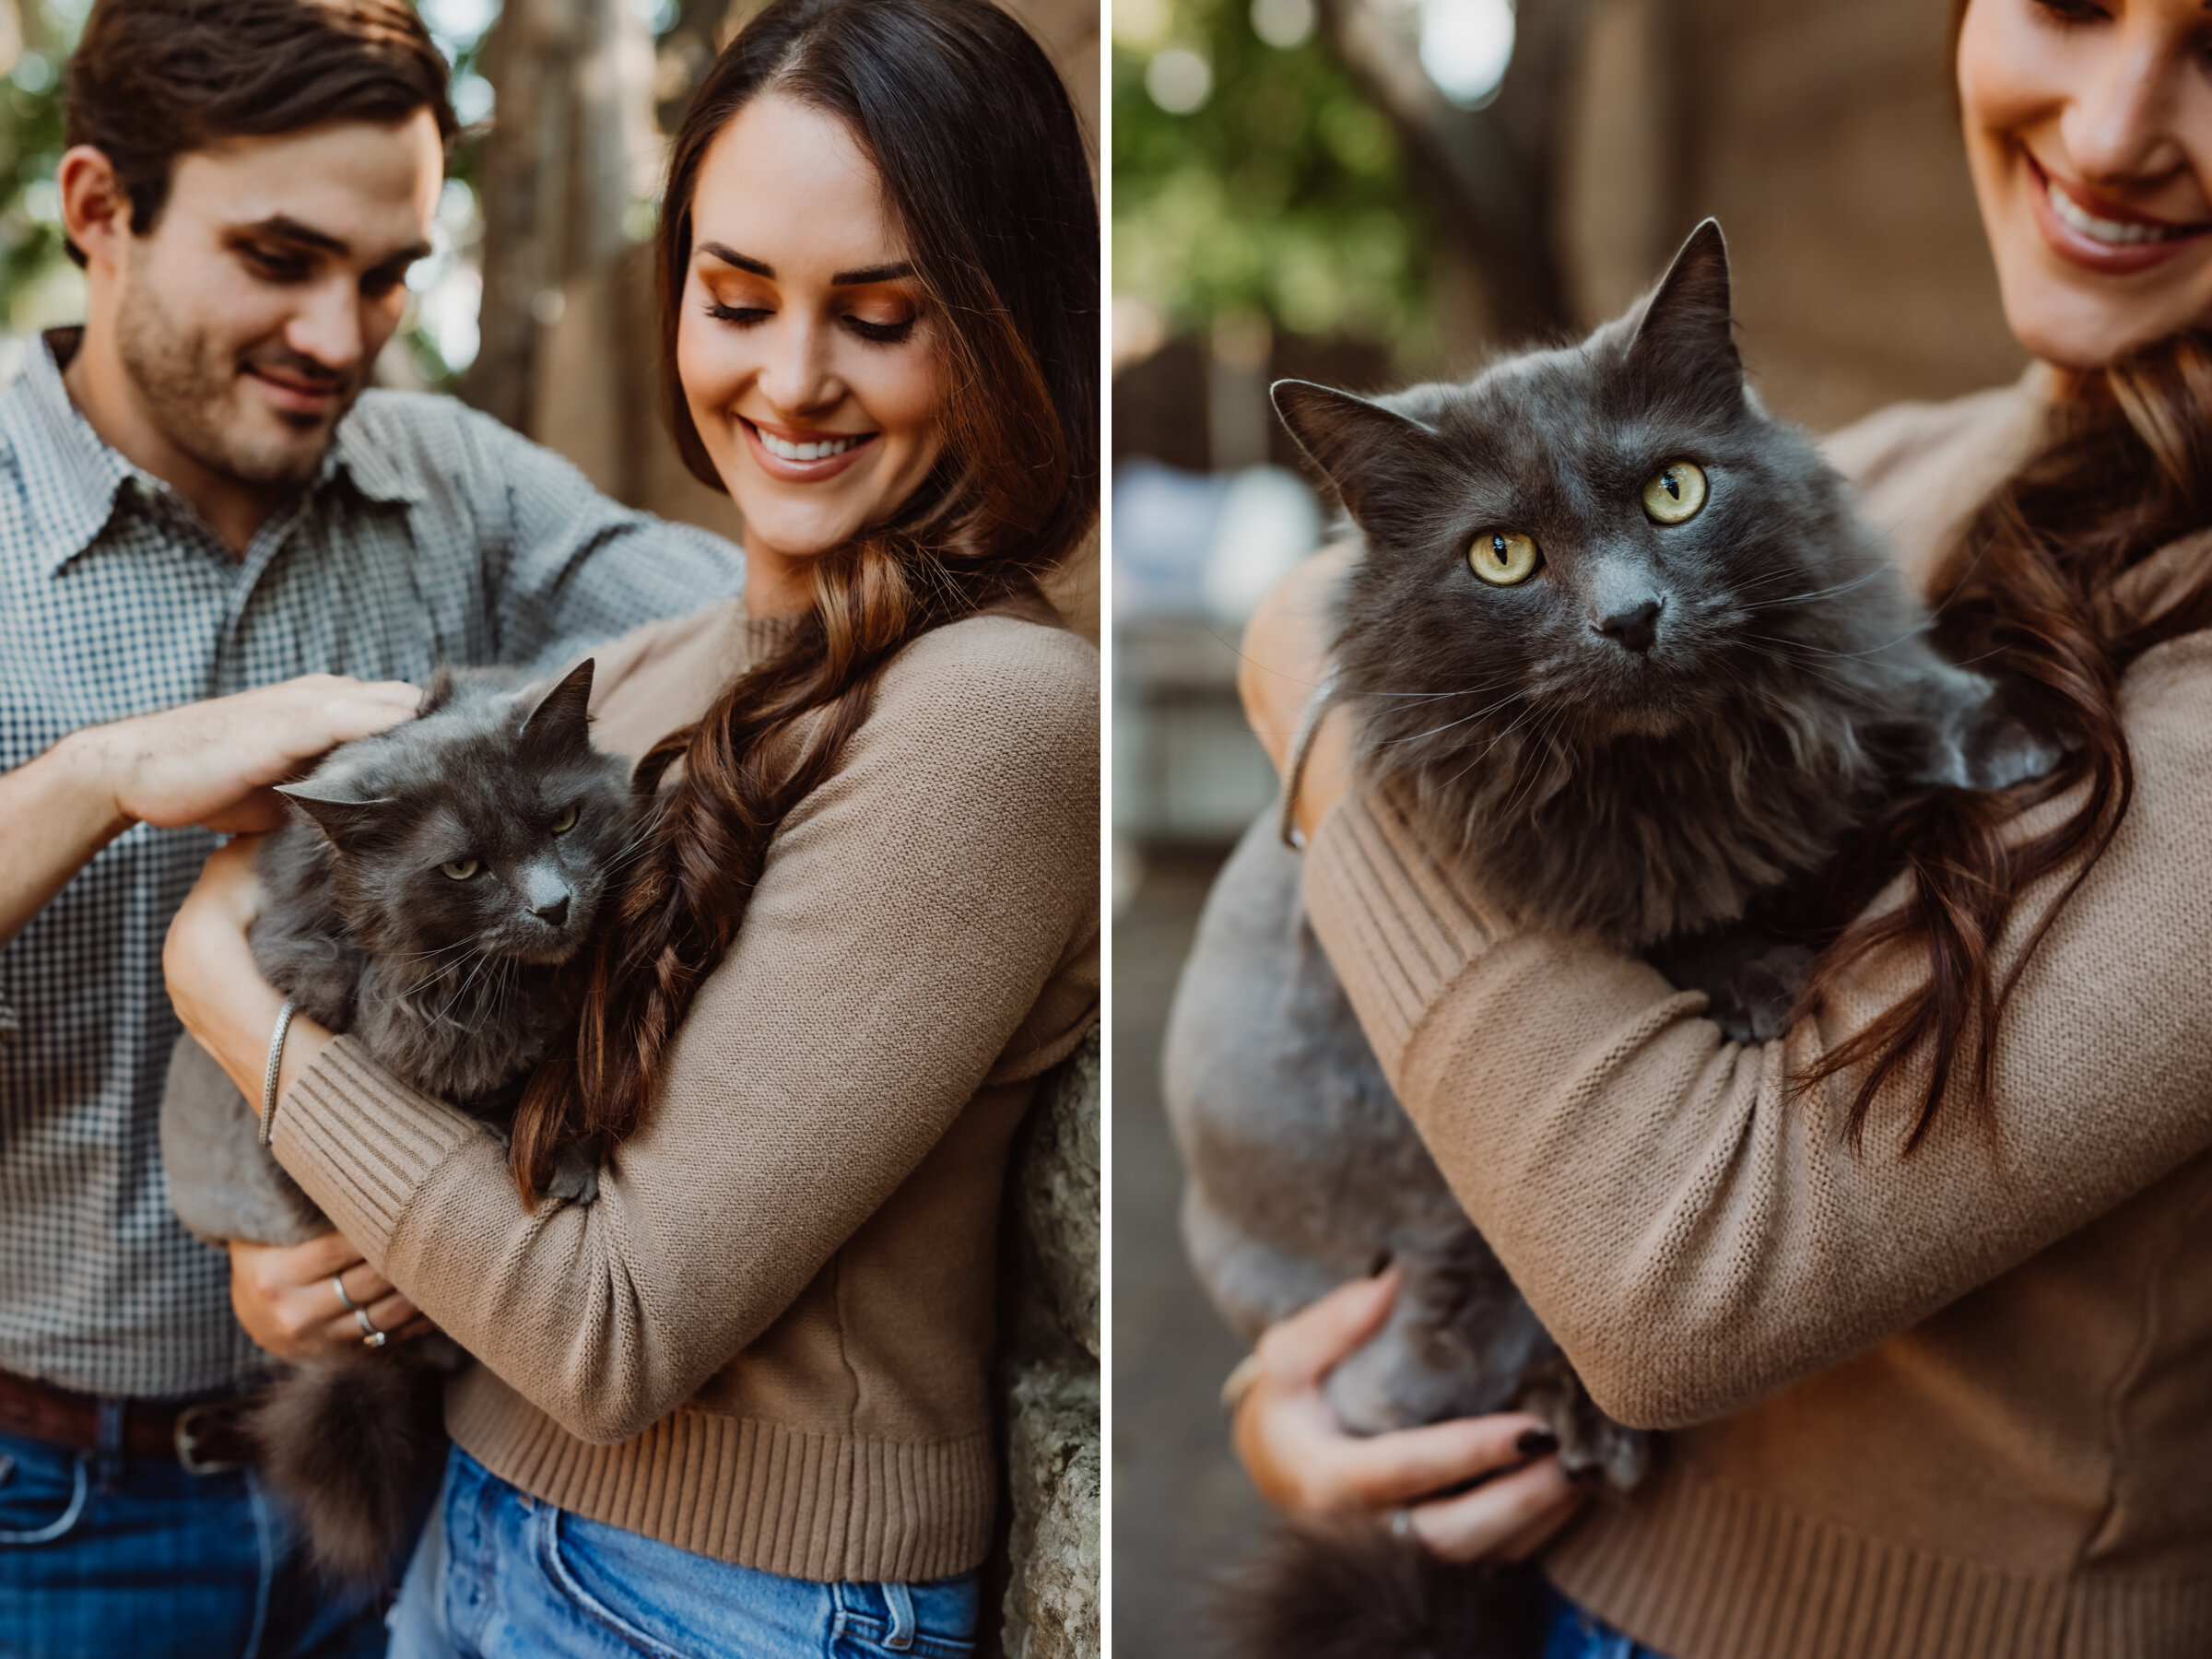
column 284, row 1298
column 212, row 762
column 1305, row 1464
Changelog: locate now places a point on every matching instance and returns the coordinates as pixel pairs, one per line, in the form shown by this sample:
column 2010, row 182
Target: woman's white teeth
column 2103, row 230
column 805, row 451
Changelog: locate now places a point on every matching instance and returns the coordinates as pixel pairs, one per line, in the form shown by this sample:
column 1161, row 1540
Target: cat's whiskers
column 1463, row 720
column 1825, row 593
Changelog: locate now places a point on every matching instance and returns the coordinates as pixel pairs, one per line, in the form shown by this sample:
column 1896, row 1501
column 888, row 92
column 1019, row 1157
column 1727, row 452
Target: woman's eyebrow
column 877, row 273
column 758, row 267
column 900, row 267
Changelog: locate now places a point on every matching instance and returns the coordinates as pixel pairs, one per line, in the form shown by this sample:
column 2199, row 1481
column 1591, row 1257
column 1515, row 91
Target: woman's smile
column 2086, row 131
column 798, row 455
column 2092, row 230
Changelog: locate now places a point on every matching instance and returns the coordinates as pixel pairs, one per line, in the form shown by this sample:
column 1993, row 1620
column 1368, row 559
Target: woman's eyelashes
column 875, row 332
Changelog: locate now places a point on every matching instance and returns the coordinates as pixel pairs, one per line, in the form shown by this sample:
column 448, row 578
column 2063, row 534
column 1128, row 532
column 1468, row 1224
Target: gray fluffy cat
column 436, row 878
column 1616, row 635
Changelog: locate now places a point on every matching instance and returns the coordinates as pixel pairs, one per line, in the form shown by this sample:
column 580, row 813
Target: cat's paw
column 1751, row 980
column 575, row 1178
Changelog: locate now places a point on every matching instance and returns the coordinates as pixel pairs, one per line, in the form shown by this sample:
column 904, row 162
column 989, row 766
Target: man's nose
column 327, row 329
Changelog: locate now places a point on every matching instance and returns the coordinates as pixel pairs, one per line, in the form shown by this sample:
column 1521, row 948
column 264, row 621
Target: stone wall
column 1043, row 1580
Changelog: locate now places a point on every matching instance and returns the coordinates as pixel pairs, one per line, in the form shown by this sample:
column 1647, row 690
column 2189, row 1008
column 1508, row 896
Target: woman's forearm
column 1694, row 1231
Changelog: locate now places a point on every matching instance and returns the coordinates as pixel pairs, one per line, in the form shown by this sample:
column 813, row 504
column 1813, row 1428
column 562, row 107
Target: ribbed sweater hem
column 764, row 1495
column 1698, row 1569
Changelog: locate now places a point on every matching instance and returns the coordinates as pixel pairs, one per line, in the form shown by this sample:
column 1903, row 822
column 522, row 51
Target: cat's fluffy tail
column 1350, row 1591
column 358, row 1446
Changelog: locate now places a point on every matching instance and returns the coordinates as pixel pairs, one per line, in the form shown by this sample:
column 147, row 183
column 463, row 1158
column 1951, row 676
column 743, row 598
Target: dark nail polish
column 1381, row 1265
column 1588, row 1475
column 1535, row 1442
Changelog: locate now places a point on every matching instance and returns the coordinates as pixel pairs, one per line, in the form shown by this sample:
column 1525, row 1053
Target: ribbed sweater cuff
column 1697, row 1569
column 361, row 1144
column 1396, row 931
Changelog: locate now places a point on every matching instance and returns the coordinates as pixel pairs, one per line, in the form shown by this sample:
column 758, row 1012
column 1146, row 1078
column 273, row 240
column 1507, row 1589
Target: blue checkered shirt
column 432, row 534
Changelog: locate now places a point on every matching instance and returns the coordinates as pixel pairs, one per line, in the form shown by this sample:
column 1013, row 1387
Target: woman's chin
column 2083, row 332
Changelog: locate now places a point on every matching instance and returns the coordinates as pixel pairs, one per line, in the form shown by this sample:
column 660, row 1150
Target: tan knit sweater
column 1956, row 1405
column 768, row 1340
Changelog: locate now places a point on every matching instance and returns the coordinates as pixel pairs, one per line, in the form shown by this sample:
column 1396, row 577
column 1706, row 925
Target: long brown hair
column 982, row 160
column 2126, row 467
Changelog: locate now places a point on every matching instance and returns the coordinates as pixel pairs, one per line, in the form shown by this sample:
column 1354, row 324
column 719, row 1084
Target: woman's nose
column 2120, row 127
column 798, row 377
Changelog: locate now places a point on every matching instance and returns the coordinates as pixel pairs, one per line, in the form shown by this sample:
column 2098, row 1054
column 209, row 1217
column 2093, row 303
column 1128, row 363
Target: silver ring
column 1401, row 1523
column 337, row 1283
column 370, row 1336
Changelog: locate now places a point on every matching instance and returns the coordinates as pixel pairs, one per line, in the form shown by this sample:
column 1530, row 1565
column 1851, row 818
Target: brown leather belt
column 204, row 1436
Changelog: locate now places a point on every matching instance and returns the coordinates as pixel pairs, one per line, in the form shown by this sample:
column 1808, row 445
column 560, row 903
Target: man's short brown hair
column 152, row 79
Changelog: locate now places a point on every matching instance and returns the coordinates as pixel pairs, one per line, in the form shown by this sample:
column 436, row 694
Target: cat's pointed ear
column 344, row 817
column 1685, row 337
column 1363, row 447
column 562, row 718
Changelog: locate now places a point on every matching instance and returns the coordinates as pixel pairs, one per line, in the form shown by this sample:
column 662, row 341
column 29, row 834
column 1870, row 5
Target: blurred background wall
column 1369, row 192
column 536, row 307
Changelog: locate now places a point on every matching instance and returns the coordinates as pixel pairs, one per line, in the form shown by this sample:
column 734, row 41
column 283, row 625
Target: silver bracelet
column 1301, row 749
column 268, row 1078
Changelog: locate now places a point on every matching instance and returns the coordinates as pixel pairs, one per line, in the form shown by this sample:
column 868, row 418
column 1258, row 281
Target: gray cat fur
column 449, row 984
column 1649, row 795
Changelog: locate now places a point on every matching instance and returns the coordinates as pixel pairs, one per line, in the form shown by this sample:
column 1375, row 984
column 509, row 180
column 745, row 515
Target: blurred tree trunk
column 1490, row 170
column 557, row 179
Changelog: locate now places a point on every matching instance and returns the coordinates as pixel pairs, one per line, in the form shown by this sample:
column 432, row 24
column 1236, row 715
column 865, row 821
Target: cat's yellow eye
column 565, row 822
column 1675, row 493
column 463, row 870
column 1503, row 557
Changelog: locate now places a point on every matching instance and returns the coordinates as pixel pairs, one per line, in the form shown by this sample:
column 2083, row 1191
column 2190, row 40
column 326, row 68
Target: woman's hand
column 1286, row 657
column 1304, row 1463
column 228, row 1009
column 285, row 1299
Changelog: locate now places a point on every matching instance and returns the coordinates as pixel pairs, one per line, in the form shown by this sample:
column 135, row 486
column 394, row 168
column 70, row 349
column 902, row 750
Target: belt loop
column 109, row 1453
column 899, row 1600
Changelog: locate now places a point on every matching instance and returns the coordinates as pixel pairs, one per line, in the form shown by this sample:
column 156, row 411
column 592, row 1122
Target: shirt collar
column 371, row 470
column 84, row 472
column 73, row 473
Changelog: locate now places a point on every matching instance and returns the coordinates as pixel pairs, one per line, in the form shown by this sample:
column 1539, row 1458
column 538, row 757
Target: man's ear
column 96, row 209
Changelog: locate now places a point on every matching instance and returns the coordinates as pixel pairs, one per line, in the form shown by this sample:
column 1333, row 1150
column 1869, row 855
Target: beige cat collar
column 1301, row 750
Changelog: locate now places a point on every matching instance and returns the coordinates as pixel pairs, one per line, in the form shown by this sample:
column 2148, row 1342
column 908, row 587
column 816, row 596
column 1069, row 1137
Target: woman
column 739, row 1403
column 1925, row 1292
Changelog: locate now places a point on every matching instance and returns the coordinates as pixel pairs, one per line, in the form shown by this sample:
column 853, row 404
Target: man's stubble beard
column 189, row 388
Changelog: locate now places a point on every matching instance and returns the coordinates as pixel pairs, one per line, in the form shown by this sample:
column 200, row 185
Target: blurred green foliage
column 1284, row 194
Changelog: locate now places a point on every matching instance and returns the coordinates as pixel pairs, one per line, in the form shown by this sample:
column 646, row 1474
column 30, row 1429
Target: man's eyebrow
column 287, row 229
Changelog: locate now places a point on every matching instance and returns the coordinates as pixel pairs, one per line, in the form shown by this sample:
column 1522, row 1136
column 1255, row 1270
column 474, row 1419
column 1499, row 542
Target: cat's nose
column 1632, row 627
column 554, row 914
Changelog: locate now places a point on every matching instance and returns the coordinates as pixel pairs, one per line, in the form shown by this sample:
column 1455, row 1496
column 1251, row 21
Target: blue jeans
column 501, row 1575
column 105, row 1558
column 1577, row 1634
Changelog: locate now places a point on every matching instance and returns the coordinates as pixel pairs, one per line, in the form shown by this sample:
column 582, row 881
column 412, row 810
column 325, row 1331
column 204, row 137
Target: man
column 201, row 512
